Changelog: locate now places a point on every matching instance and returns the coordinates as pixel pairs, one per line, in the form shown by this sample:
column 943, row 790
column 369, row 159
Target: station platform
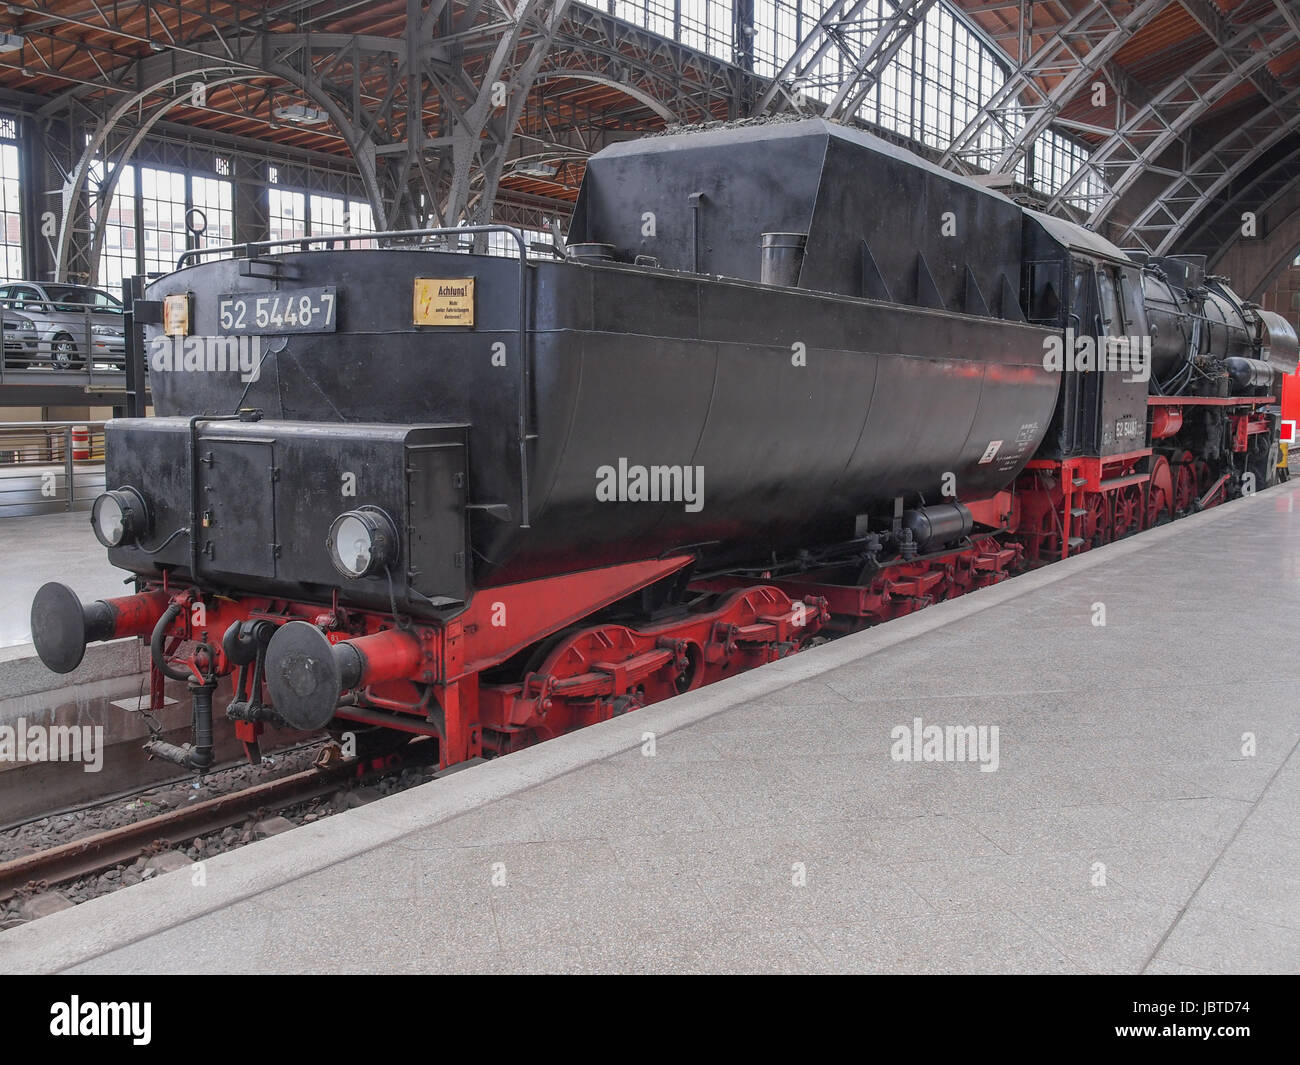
column 49, row 547
column 1143, row 815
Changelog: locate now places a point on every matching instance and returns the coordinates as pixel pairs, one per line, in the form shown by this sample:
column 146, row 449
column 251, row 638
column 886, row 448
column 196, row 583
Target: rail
column 50, row 467
column 252, row 249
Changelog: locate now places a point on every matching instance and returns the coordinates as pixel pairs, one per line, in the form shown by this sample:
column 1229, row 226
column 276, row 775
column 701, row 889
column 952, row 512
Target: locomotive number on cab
column 301, row 310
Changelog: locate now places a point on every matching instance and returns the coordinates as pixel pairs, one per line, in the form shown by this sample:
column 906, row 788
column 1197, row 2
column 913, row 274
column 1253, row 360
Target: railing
column 445, row 239
column 68, row 346
column 50, row 467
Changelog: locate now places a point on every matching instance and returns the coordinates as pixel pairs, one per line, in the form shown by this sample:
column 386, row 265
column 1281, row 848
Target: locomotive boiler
column 784, row 380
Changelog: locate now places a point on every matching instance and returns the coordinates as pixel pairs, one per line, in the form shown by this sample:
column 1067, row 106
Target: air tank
column 938, row 524
column 1246, row 374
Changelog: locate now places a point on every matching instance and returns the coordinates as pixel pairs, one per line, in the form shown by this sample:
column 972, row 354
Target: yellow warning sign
column 176, row 314
column 444, row 301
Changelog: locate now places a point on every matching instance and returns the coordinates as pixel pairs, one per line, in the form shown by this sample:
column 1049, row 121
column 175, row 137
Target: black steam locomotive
column 783, row 380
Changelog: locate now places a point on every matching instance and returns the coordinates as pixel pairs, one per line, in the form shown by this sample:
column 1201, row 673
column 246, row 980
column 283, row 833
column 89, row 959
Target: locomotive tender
column 784, row 380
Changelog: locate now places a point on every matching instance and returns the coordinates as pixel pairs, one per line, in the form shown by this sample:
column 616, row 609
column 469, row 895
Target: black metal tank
column 795, row 408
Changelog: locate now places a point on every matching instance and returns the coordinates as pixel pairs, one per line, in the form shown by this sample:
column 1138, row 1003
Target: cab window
column 1079, row 300
column 1110, row 320
column 1130, row 290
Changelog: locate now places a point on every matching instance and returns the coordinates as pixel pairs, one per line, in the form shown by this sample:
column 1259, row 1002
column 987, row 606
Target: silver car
column 75, row 323
column 21, row 341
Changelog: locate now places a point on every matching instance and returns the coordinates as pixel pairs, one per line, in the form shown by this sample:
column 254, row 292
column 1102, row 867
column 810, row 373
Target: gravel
column 63, row 828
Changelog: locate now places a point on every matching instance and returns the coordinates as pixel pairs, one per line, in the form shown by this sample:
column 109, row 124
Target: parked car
column 21, row 341
column 74, row 322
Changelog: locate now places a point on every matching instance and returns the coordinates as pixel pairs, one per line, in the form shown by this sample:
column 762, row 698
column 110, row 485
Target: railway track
column 70, row 793
column 123, row 844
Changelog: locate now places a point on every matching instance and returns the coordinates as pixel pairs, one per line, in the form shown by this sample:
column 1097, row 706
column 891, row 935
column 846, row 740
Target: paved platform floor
column 49, row 547
column 1144, row 815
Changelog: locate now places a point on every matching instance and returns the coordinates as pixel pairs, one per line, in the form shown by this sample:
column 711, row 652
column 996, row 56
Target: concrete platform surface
column 49, row 547
column 1144, row 814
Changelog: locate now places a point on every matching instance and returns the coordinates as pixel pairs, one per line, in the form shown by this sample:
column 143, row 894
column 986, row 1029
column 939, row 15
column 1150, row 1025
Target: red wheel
column 1160, row 506
column 1185, row 494
column 1096, row 526
column 1127, row 508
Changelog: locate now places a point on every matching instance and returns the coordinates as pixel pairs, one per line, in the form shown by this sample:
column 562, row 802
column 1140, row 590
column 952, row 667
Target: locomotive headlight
column 119, row 517
column 362, row 542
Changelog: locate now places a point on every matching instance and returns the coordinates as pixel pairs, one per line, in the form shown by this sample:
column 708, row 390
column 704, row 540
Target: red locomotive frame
column 429, row 679
column 442, row 680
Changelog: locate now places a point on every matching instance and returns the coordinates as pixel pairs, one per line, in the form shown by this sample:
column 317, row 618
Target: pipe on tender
column 156, row 641
column 782, row 260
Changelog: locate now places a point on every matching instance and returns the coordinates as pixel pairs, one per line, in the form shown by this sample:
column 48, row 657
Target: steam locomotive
column 784, row 380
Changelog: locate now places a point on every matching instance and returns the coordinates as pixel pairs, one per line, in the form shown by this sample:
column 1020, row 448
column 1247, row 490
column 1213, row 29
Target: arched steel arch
column 1134, row 148
column 1020, row 112
column 683, row 81
column 113, row 174
column 639, row 95
column 541, row 19
column 1200, row 181
column 479, row 134
column 1216, row 232
column 74, row 190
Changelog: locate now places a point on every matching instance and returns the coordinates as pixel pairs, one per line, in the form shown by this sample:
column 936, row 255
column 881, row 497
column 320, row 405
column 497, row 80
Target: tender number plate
column 300, row 310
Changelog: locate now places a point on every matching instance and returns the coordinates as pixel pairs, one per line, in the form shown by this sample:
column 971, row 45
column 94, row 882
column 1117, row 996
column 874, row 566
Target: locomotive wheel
column 1160, row 494
column 1098, row 525
column 1126, row 505
column 545, row 658
column 1185, row 496
column 577, row 652
column 546, row 647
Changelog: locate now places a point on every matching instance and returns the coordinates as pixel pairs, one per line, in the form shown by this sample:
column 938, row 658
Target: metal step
column 1123, row 482
column 1076, row 541
column 1078, row 512
column 1079, row 482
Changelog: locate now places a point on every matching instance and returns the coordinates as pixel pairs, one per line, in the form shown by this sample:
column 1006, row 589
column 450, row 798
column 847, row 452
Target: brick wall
column 1284, row 296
